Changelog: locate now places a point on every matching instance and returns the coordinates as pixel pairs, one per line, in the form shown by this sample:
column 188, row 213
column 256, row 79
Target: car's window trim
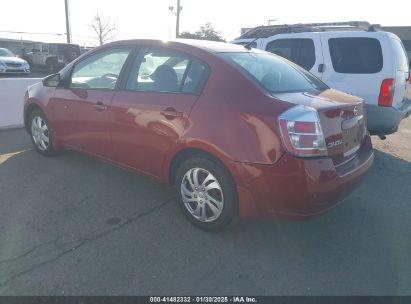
column 183, row 80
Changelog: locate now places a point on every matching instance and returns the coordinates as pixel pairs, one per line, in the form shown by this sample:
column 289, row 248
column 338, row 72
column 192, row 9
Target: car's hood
column 12, row 60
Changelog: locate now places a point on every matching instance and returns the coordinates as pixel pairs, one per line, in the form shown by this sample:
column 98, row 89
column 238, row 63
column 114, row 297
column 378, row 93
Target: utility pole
column 66, row 4
column 178, row 19
column 177, row 13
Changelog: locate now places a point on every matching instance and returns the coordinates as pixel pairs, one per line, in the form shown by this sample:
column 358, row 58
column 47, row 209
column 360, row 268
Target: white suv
column 363, row 62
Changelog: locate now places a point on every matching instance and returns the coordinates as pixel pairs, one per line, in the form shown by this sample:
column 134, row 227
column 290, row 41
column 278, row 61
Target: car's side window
column 307, row 54
column 287, row 48
column 298, row 50
column 356, row 55
column 100, row 71
column 163, row 70
column 36, row 48
column 195, row 78
column 45, row 48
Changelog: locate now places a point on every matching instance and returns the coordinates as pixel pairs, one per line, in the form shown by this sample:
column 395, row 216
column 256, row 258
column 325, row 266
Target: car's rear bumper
column 298, row 188
column 385, row 120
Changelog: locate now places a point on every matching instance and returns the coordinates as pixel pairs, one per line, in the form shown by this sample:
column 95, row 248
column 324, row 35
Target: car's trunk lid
column 342, row 120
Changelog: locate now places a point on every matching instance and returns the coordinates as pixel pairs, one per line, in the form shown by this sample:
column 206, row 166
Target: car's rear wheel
column 206, row 193
column 40, row 133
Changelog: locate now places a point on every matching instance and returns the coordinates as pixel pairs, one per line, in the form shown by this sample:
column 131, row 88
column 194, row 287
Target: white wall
column 12, row 92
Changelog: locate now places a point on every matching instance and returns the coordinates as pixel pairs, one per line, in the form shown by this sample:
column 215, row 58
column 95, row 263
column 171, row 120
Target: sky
column 152, row 18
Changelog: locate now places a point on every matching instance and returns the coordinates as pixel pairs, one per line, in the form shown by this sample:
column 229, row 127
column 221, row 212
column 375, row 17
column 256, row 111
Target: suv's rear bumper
column 385, row 120
column 298, row 188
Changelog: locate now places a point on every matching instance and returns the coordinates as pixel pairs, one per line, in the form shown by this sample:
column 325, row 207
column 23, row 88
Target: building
column 18, row 47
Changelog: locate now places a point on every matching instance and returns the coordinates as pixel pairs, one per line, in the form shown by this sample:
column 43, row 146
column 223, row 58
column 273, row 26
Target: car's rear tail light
column 301, row 132
column 409, row 77
column 386, row 93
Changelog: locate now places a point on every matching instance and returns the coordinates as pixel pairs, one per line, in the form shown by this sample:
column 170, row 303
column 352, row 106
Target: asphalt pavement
column 73, row 225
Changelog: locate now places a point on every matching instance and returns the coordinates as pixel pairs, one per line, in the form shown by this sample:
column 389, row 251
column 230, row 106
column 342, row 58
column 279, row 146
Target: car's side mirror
column 52, row 80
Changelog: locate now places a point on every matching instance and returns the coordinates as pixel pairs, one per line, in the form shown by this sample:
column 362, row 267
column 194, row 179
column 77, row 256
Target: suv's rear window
column 356, row 55
column 274, row 73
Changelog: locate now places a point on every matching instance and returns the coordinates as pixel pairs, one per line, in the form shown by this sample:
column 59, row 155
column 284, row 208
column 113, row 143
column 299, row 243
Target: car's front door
column 81, row 108
column 151, row 113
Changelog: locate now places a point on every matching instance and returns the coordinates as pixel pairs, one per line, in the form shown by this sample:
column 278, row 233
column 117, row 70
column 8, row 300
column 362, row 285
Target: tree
column 103, row 28
column 206, row 32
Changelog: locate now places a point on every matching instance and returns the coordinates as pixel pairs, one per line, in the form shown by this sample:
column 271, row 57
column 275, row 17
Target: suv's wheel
column 40, row 133
column 206, row 193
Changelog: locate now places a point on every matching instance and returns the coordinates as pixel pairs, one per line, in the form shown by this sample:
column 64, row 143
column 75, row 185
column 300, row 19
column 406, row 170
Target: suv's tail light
column 409, row 77
column 301, row 132
column 386, row 93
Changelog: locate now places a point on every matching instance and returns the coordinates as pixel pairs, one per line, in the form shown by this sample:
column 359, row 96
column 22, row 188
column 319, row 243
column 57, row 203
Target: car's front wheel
column 40, row 133
column 206, row 193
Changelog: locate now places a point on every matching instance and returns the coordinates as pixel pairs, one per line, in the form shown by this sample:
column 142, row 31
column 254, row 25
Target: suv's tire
column 40, row 133
column 210, row 209
column 30, row 64
column 51, row 67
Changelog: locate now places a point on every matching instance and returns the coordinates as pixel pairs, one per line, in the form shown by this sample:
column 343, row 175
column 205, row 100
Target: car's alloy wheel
column 202, row 194
column 40, row 133
column 206, row 191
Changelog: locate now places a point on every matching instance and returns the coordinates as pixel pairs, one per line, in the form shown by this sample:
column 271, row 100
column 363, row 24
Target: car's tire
column 211, row 209
column 40, row 133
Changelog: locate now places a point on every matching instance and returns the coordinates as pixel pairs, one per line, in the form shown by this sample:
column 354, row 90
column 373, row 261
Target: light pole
column 177, row 13
column 66, row 4
column 271, row 20
column 178, row 19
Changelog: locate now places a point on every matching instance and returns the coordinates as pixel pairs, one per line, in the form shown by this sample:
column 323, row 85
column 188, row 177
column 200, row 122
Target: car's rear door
column 81, row 108
column 151, row 112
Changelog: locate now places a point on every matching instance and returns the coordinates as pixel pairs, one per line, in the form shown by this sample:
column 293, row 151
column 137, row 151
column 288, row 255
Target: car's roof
column 209, row 46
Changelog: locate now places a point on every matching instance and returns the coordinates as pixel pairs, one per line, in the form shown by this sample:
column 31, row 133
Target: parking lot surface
column 73, row 225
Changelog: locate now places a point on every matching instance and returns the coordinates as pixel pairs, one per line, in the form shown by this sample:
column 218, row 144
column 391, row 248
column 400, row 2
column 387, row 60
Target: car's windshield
column 274, row 73
column 6, row 53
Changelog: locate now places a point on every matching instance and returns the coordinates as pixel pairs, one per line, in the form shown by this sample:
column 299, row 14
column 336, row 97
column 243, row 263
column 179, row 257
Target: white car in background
column 351, row 57
column 11, row 64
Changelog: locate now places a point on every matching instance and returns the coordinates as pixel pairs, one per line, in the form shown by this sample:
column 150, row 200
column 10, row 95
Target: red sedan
column 236, row 131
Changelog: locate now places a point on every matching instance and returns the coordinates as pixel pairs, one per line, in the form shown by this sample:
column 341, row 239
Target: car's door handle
column 171, row 113
column 321, row 68
column 99, row 106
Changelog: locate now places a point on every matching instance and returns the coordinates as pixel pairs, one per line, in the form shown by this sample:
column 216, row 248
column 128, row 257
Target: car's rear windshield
column 274, row 73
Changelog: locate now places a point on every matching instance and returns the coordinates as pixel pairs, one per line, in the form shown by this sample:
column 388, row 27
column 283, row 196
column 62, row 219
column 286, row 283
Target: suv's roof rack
column 271, row 30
